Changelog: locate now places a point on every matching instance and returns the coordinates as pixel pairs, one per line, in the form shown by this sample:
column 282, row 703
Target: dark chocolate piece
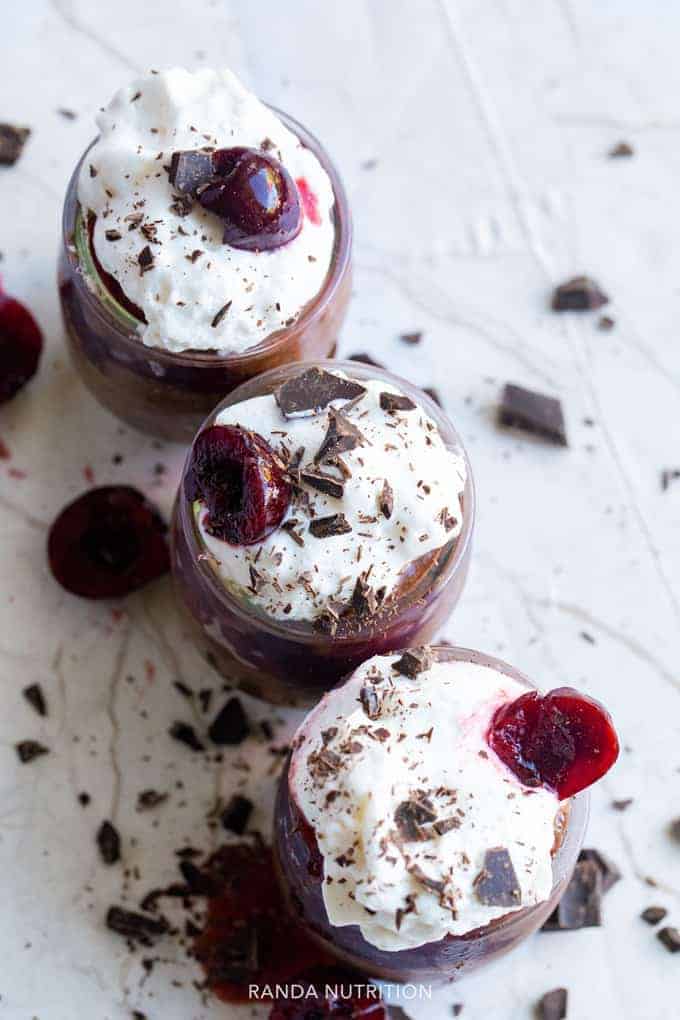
column 131, row 925
column 414, row 661
column 364, row 601
column 236, row 814
column 112, row 235
column 36, row 699
column 496, row 884
column 12, row 141
column 652, row 915
column 341, row 436
column 147, row 800
column 610, row 873
column 386, row 500
column 580, row 906
column 670, row 937
column 412, row 338
column 108, row 841
column 29, row 750
column 313, row 390
column 366, row 359
column 552, row 1005
column 217, row 318
column 396, row 402
column 230, row 726
column 145, row 260
column 412, row 815
column 186, row 734
column 579, row 294
column 324, row 483
column 370, row 702
column 328, row 527
column 621, row 150
column 189, row 169
column 533, row 412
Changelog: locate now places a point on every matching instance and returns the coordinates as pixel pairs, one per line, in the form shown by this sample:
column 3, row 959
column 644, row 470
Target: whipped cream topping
column 351, row 775
column 124, row 182
column 300, row 575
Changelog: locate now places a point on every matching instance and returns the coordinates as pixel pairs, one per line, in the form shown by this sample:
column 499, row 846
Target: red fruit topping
column 108, row 542
column 332, row 994
column 21, row 345
column 562, row 740
column 241, row 481
column 310, row 203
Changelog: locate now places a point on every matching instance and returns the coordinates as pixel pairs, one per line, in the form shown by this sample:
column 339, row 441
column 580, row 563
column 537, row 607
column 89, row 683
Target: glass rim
column 127, row 326
column 302, row 631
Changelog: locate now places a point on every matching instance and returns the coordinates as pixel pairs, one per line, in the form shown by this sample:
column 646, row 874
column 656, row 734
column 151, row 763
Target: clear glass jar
column 299, row 865
column 166, row 394
column 288, row 661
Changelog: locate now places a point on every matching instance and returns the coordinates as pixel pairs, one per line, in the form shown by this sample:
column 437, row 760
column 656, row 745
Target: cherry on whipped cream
column 21, row 345
column 332, row 994
column 107, row 543
column 242, row 483
column 563, row 740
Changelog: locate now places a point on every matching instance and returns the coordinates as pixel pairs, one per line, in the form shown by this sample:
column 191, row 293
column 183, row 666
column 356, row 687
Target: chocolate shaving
column 324, row 483
column 396, row 402
column 496, row 884
column 411, row 338
column 313, row 390
column 341, row 436
column 138, row 927
column 108, row 841
column 401, row 912
column 414, row 661
column 230, row 726
column 533, row 412
column 328, row 527
column 670, row 937
column 364, row 601
column 29, row 750
column 236, row 814
column 581, row 294
column 444, row 825
column 190, row 169
column 145, row 260
column 147, row 800
column 186, row 734
column 36, row 699
column 370, row 702
column 652, row 915
column 12, row 141
column 437, row 885
column 580, row 906
column 386, row 500
column 217, row 318
column 411, row 815
column 552, row 1005
column 289, row 526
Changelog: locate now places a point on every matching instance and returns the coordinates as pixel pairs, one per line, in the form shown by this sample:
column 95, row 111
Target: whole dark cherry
column 21, row 345
column 255, row 196
column 563, row 740
column 242, row 483
column 107, row 543
column 332, row 994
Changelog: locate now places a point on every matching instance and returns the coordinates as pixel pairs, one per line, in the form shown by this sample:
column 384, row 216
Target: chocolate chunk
column 580, row 294
column 386, row 500
column 533, row 412
column 622, row 805
column 670, row 937
column 411, row 815
column 652, row 915
column 580, row 906
column 364, row 601
column 12, row 141
column 341, row 436
column 236, row 814
column 610, row 873
column 131, row 925
column 217, row 318
column 324, row 763
column 328, row 527
column 181, row 205
column 444, row 825
column 230, row 726
column 238, row 956
column 621, row 150
column 313, row 390
column 36, row 699
column 370, row 702
column 147, row 800
column 327, row 484
column 108, row 841
column 396, row 402
column 29, row 750
column 414, row 661
column 189, row 170
column 186, row 735
column 552, row 1005
column 366, row 359
column 411, row 338
column 113, row 235
column 145, row 260
column 496, row 884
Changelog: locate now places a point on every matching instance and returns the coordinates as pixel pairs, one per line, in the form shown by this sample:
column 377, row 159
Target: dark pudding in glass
column 325, row 515
column 431, row 811
column 207, row 239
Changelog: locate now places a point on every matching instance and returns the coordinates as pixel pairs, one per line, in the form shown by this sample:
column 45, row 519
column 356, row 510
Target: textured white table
column 490, row 124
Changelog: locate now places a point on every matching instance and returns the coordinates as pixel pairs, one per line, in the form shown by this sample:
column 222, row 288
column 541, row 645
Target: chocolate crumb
column 579, row 294
column 414, row 661
column 217, row 318
column 606, row 323
column 84, row 799
column 329, row 527
column 186, row 734
column 230, row 726
column 12, row 141
column 496, row 884
column 669, row 475
column 411, row 338
column 533, row 412
column 622, row 150
column 147, row 800
column 113, row 235
column 108, row 841
column 396, row 402
column 131, row 925
column 622, row 805
column 36, row 699
column 236, row 814
column 552, row 1005
column 29, row 750
column 670, row 938
column 652, row 915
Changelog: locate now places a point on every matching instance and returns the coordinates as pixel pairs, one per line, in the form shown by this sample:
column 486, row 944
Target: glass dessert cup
column 289, row 661
column 167, row 394
column 299, row 864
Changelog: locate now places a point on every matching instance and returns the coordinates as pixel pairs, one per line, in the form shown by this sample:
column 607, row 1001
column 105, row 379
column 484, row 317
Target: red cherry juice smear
column 251, row 894
column 310, row 201
column 563, row 740
column 21, row 345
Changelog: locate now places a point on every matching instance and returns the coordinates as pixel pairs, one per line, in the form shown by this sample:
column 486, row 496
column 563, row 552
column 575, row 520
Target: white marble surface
column 490, row 124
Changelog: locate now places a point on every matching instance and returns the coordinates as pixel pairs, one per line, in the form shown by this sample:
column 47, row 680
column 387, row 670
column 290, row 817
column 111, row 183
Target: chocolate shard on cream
column 314, row 390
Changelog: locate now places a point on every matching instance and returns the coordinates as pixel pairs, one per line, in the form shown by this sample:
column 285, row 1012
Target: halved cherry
column 21, row 345
column 239, row 478
column 563, row 740
column 107, row 543
column 332, row 994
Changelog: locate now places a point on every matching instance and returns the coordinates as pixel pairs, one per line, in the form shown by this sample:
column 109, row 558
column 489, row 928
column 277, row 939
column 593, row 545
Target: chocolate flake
column 414, row 661
column 131, row 925
column 289, row 526
column 580, row 906
column 12, row 141
column 108, row 841
column 145, row 260
column 341, row 436
column 621, row 150
column 36, row 699
column 580, row 294
column 496, row 884
column 396, row 402
column 610, row 873
column 186, row 734
column 324, row 483
column 670, row 937
column 113, row 235
column 622, row 805
column 553, row 1005
column 444, row 825
column 328, row 527
column 533, row 412
column 147, row 800
column 652, row 915
column 364, row 601
column 181, row 205
column 29, row 750
column 411, row 815
column 189, row 170
column 401, row 912
column 386, row 500
column 313, row 390
column 220, row 315
column 324, row 763
column 236, row 814
column 411, row 338
column 230, row 726
column 370, row 702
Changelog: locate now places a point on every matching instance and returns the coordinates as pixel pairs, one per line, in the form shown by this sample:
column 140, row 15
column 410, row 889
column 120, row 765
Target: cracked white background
column 490, row 125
